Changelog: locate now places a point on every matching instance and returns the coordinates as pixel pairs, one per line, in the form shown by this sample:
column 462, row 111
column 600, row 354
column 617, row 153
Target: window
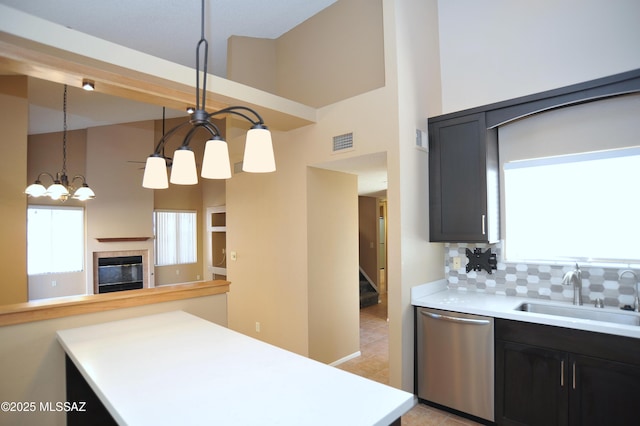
column 175, row 237
column 573, row 207
column 55, row 239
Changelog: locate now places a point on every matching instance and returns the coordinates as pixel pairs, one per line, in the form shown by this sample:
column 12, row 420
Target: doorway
column 371, row 170
column 216, row 255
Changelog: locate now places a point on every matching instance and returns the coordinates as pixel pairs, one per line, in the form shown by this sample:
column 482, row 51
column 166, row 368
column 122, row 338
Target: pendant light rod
column 64, row 132
column 201, row 42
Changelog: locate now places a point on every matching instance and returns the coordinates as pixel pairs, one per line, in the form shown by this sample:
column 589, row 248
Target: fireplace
column 120, row 270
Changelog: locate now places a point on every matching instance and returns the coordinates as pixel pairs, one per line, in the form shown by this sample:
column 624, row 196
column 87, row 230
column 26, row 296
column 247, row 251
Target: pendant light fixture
column 258, row 152
column 61, row 188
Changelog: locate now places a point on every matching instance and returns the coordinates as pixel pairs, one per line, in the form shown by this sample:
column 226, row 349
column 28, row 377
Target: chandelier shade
column 36, row 189
column 155, row 173
column 84, row 193
column 258, row 153
column 216, row 164
column 183, row 171
column 57, row 191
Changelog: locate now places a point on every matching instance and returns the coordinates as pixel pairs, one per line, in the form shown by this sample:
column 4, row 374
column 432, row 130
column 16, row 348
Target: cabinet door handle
column 562, row 373
column 484, row 231
column 574, row 374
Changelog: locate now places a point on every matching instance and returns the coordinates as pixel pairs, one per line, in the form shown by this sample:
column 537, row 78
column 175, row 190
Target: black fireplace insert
column 119, row 273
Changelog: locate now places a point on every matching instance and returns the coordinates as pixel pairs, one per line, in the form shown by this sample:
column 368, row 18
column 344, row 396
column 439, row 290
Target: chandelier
column 258, row 151
column 62, row 187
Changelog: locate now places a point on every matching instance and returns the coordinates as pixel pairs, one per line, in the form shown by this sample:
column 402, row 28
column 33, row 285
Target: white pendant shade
column 258, row 152
column 84, row 193
column 183, row 170
column 57, row 191
column 155, row 173
column 215, row 164
column 35, row 190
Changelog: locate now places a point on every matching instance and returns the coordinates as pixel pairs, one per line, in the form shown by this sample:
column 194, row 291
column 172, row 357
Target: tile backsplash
column 542, row 281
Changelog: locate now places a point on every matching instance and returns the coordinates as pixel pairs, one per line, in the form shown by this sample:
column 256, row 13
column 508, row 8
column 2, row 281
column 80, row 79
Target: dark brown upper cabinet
column 463, row 156
column 463, row 180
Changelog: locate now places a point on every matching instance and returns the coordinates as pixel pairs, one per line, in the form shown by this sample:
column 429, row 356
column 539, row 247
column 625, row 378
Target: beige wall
column 13, row 179
column 122, row 208
column 32, row 360
column 267, row 221
column 414, row 43
column 332, row 56
column 508, row 49
column 267, row 228
column 245, row 55
column 332, row 247
column 45, row 155
column 287, row 275
column 368, row 237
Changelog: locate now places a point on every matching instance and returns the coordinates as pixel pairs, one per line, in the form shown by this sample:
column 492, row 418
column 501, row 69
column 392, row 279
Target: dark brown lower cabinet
column 604, row 392
column 556, row 376
column 530, row 386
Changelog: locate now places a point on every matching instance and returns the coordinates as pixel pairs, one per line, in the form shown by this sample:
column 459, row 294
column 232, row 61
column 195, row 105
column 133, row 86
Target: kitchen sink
column 595, row 314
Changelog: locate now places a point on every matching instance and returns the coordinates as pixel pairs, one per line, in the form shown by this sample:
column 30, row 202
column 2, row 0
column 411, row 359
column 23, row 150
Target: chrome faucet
column 636, row 301
column 574, row 277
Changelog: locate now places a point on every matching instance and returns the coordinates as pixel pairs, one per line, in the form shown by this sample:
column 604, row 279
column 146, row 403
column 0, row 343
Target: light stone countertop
column 437, row 295
column 176, row 368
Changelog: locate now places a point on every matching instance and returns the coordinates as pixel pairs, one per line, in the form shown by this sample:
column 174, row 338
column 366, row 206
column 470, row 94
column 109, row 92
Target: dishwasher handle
column 455, row 319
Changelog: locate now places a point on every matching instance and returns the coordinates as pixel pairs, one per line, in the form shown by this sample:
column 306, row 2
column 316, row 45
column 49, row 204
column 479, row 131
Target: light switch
column 233, row 255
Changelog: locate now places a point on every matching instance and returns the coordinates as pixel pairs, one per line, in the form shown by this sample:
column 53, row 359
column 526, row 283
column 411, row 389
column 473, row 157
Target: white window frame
column 55, row 247
column 169, row 248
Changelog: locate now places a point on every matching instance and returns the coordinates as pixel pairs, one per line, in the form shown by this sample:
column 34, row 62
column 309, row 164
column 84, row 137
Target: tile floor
column 373, row 363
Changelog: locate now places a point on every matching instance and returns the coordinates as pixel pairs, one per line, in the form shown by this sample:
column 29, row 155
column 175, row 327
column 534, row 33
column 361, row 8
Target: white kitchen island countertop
column 176, row 368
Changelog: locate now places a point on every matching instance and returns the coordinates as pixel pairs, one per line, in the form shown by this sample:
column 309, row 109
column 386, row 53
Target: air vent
column 237, row 167
column 343, row 142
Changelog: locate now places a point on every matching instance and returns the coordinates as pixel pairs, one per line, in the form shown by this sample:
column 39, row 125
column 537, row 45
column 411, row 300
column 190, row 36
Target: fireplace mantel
column 122, row 239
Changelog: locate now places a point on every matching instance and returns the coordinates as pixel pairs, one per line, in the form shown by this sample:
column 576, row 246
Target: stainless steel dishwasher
column 455, row 361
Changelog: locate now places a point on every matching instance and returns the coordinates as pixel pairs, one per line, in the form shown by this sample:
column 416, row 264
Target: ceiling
column 169, row 29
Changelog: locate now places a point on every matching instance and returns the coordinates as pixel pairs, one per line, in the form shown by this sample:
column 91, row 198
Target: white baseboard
column 346, row 358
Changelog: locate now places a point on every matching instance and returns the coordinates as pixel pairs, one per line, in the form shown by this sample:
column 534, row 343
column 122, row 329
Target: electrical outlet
column 457, row 263
column 54, row 283
column 257, row 327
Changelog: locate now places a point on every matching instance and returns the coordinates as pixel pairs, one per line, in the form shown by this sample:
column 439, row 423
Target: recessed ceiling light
column 88, row 85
